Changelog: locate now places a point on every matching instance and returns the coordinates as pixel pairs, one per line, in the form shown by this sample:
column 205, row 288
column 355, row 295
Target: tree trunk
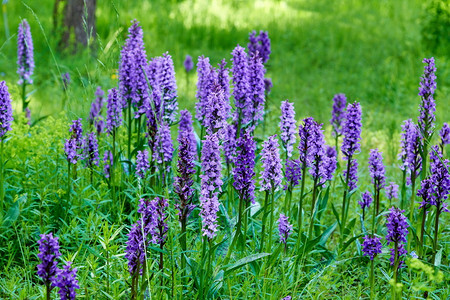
column 79, row 23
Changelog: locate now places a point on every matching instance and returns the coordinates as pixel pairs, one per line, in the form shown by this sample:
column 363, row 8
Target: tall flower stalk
column 48, row 268
column 25, row 59
column 6, row 118
column 338, row 117
column 377, row 173
column 241, row 84
column 287, row 127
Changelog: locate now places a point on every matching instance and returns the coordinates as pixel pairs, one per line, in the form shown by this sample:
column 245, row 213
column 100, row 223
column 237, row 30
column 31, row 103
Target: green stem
column 183, row 246
column 300, row 205
column 129, row 130
column 68, row 181
column 271, row 221
column 372, row 285
column 403, row 200
column 436, row 231
column 113, row 166
column 411, row 209
column 422, row 230
column 2, row 187
column 263, row 230
column 24, row 96
column 344, row 199
column 239, row 233
column 397, row 262
column 313, row 204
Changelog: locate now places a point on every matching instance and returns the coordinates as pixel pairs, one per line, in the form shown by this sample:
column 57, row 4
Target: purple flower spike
column 188, row 64
column 376, row 169
column 366, row 200
column 91, row 150
column 203, row 86
column 168, row 87
column 244, row 170
column 371, row 246
column 6, row 113
column 25, row 58
column 95, row 115
column 223, row 79
column 271, row 175
column 48, row 254
column 186, row 130
column 397, row 229
column 338, row 114
column 293, row 173
column 160, row 228
column 260, row 44
column 427, row 107
column 392, row 191
column 411, row 146
column 163, row 149
column 268, row 85
column 67, row 282
column 77, row 132
column 427, row 193
column 444, row 133
column 284, row 228
column 65, row 80
column 256, row 91
column 184, row 180
column 352, row 130
column 142, row 164
column 107, row 163
column 229, row 143
column 114, row 111
column 217, row 111
column 288, row 127
column 241, row 84
column 353, row 175
column 70, row 149
column 330, row 163
column 211, row 185
column 440, row 175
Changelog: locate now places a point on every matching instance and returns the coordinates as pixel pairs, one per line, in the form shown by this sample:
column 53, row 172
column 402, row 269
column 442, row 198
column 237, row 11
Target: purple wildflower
column 366, row 200
column 287, row 298
column 216, row 111
column 330, row 163
column 48, row 254
column 91, row 150
column 371, row 246
column 203, row 86
column 223, row 78
column 338, row 114
column 107, row 163
column 271, row 175
column 241, row 83
column 353, row 175
column 376, row 169
column 444, row 133
column 186, row 130
column 293, row 173
column 6, row 113
column 392, row 191
column 183, row 181
column 114, row 111
column 255, row 91
column 163, row 148
column 28, row 115
column 160, row 228
column 318, row 160
column 211, row 185
column 268, row 85
column 95, row 115
column 70, row 149
column 259, row 44
column 427, row 193
column 67, row 282
column 411, row 145
column 65, row 77
column 133, row 86
column 168, row 87
column 397, row 229
column 188, row 64
column 351, row 130
column 440, row 175
column 287, row 127
column 307, row 132
column 427, row 107
column 229, row 143
column 244, row 170
column 142, row 164
column 284, row 228
column 25, row 59
column 77, row 132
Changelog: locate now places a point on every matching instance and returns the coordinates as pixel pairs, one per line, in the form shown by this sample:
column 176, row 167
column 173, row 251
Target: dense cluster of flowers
column 67, row 282
column 271, row 175
column 142, row 163
column 95, row 115
column 48, row 254
column 244, row 170
column 25, row 57
column 397, row 227
column 288, row 126
column 392, row 191
column 6, row 113
column 188, row 63
column 114, row 111
column 376, row 169
column 338, row 114
column 366, row 200
column 284, row 228
column 371, row 246
column 428, row 106
column 260, row 45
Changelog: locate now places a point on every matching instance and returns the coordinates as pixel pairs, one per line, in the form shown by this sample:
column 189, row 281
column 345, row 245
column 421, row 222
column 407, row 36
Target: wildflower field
column 226, row 150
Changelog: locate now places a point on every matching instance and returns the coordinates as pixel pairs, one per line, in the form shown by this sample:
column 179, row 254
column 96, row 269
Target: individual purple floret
column 67, row 282
column 160, row 228
column 70, row 149
column 240, row 78
column 268, row 85
column 288, row 127
column 244, row 170
column 351, row 130
column 366, row 200
column 287, row 298
column 427, row 107
column 107, row 163
column 25, row 58
column 259, row 44
column 95, row 115
column 76, row 130
column 229, row 143
column 133, row 87
column 211, row 185
column 397, row 229
column 142, row 163
column 392, row 191
column 48, row 254
column 353, row 175
column 284, row 228
column 444, row 134
column 256, row 91
column 376, row 169
column 203, row 85
column 91, row 150
column 184, row 180
column 163, row 148
column 188, row 64
column 293, row 173
column 223, row 78
column 65, row 77
column 330, row 163
column 168, row 87
column 338, row 114
column 216, row 111
column 113, row 111
column 271, row 175
column 371, row 246
column 6, row 113
column 186, row 130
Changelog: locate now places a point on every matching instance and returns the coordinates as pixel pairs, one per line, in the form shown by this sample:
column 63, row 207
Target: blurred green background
column 369, row 50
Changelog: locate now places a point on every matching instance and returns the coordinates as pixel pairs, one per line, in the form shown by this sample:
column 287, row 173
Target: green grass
column 369, row 50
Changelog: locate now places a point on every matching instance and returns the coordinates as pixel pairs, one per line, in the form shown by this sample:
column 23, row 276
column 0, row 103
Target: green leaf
column 350, row 241
column 322, row 203
column 246, row 260
column 438, row 259
column 12, row 214
column 335, row 213
column 327, row 233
